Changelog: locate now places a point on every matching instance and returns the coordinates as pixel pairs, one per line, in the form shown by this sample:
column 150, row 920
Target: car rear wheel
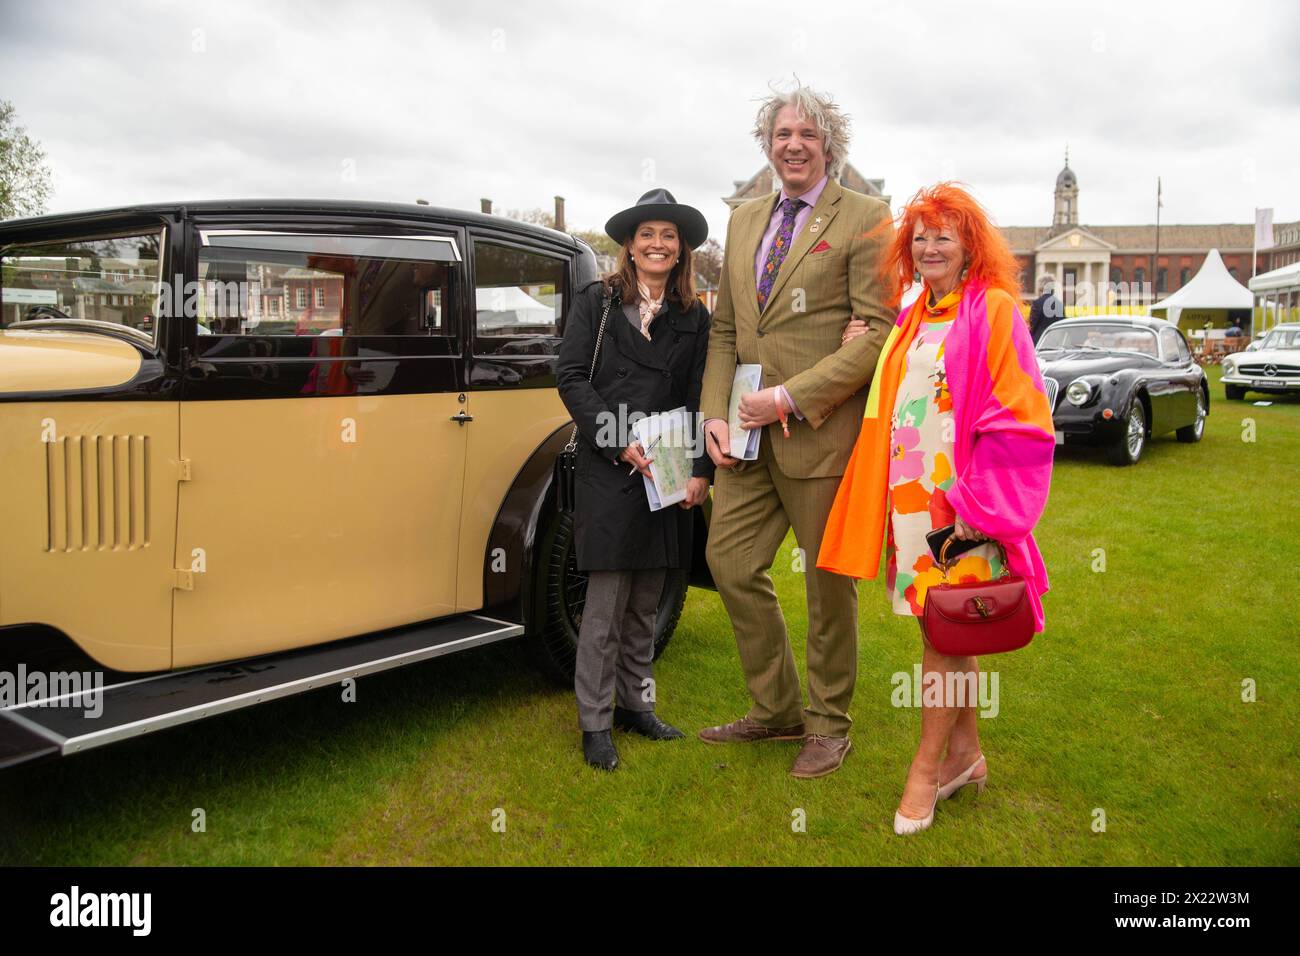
column 1234, row 393
column 561, row 590
column 1127, row 449
column 1194, row 431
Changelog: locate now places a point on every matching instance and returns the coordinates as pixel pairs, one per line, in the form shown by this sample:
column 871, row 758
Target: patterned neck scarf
column 648, row 307
column 944, row 304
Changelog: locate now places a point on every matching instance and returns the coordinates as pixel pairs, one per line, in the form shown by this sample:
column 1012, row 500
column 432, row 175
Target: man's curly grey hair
column 821, row 110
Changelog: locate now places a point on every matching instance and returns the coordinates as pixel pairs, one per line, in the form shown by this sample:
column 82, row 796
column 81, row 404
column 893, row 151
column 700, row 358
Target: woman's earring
column 916, row 276
column 965, row 269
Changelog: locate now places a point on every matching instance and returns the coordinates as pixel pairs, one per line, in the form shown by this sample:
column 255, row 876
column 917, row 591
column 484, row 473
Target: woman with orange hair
column 957, row 432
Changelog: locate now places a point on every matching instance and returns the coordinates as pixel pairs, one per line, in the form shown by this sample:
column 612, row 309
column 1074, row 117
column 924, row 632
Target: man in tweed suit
column 799, row 264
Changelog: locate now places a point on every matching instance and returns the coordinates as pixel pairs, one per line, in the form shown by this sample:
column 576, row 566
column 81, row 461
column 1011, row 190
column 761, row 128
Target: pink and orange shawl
column 1002, row 452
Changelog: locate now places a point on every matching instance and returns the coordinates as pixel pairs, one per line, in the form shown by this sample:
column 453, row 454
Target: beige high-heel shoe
column 904, row 826
column 963, row 779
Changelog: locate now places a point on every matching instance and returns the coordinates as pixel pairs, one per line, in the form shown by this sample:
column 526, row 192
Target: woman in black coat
column 651, row 360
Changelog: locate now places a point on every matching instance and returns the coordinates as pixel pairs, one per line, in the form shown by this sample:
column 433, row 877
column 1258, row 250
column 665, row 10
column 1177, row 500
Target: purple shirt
column 800, row 220
column 774, row 223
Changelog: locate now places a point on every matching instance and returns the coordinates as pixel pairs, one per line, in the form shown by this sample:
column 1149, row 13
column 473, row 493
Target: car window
column 1169, row 345
column 1282, row 339
column 113, row 279
column 1099, row 336
column 306, row 285
column 518, row 294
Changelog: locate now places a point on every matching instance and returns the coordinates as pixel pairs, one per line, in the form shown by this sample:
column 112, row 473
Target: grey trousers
column 616, row 645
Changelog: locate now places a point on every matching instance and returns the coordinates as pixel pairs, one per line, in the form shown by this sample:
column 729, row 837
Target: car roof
column 281, row 207
column 1149, row 322
column 1284, row 326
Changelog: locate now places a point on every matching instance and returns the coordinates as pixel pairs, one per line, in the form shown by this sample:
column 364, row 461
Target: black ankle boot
column 598, row 749
column 645, row 723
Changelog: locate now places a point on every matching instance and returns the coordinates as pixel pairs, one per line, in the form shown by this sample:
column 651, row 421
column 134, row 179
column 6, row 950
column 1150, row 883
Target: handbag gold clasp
column 981, row 606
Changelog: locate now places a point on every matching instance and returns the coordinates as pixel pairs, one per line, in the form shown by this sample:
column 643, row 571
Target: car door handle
column 460, row 418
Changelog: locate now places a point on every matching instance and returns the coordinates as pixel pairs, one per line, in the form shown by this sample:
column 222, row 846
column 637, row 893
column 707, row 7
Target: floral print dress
column 921, row 470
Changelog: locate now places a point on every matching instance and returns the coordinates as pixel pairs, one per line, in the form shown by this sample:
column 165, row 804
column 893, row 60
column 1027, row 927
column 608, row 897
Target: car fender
column 509, row 561
column 1128, row 388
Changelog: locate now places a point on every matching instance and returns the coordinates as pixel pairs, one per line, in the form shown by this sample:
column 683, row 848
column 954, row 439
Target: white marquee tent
column 504, row 306
column 1211, row 288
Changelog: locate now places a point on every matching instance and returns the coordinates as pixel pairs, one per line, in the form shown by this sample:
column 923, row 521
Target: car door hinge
column 182, row 579
column 186, row 470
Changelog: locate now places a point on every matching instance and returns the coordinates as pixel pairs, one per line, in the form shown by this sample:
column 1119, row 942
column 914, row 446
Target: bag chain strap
column 600, row 337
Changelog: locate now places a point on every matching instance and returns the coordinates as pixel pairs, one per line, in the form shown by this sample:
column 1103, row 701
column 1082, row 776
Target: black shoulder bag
column 566, row 462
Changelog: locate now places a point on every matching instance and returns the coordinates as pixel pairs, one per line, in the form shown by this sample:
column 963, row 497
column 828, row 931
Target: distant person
column 1046, row 309
column 1235, row 330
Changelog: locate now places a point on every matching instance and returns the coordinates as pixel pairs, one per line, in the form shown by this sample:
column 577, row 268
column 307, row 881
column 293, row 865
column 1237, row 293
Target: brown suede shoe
column 746, row 731
column 820, row 756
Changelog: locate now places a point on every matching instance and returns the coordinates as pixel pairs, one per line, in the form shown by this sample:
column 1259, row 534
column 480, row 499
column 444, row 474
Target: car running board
column 132, row 708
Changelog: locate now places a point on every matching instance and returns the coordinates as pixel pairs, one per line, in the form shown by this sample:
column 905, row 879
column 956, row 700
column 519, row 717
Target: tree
column 601, row 243
column 708, row 262
column 538, row 217
column 24, row 177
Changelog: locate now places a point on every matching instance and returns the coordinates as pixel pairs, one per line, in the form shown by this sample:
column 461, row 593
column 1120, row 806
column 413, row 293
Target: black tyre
column 560, row 591
column 1194, row 431
column 1234, row 393
column 1127, row 449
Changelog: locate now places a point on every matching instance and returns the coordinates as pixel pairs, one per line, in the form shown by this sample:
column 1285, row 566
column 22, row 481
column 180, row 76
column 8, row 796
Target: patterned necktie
column 780, row 246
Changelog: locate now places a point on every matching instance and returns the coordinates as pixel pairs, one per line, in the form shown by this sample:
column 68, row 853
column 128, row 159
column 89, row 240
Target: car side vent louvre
column 98, row 493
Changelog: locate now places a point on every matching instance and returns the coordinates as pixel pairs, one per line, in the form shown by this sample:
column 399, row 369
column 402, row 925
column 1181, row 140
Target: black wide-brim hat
column 659, row 204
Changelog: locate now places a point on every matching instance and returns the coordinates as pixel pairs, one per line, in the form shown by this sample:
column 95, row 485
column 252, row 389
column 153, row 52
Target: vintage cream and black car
column 316, row 438
column 1118, row 380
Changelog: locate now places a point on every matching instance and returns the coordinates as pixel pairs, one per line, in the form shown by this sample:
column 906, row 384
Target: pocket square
column 822, row 246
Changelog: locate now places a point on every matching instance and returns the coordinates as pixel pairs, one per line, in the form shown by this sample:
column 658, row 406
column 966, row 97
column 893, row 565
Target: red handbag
column 978, row 617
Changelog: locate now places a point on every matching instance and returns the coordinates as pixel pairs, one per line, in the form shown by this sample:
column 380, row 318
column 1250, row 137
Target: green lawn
column 1130, row 702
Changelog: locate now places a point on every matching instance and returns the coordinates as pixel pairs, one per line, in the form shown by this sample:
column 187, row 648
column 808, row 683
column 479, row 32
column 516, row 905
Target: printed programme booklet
column 744, row 443
column 666, row 439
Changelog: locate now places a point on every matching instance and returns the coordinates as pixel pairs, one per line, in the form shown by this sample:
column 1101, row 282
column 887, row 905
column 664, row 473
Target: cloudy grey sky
column 520, row 101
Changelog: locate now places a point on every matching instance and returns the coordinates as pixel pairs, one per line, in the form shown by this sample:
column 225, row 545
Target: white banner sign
column 1263, row 228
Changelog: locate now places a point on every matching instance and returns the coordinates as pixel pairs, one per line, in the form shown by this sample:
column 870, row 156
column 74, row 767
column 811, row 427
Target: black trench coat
column 613, row 524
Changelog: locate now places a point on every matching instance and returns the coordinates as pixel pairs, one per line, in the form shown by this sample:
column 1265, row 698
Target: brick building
column 1076, row 255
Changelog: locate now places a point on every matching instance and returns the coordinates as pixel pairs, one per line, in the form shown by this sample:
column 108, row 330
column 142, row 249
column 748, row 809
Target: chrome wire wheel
column 1194, row 431
column 1127, row 446
column 1136, row 433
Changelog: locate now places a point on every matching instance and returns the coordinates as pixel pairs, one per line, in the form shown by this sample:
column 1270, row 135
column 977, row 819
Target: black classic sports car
column 1117, row 380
